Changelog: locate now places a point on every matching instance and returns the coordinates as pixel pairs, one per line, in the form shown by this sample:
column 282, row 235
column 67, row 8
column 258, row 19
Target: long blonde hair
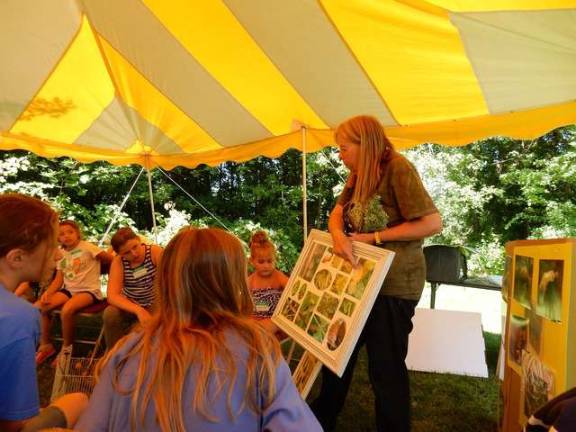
column 375, row 151
column 202, row 294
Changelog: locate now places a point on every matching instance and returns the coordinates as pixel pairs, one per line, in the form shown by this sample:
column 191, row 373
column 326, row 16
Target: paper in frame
column 326, row 302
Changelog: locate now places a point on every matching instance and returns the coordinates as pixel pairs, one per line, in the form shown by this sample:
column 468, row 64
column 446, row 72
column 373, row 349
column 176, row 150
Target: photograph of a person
column 549, row 303
column 306, row 373
column 336, row 334
column 537, row 383
column 518, row 338
column 523, row 271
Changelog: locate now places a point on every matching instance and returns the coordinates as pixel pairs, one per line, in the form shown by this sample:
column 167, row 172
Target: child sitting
column 200, row 363
column 75, row 286
column 131, row 280
column 266, row 283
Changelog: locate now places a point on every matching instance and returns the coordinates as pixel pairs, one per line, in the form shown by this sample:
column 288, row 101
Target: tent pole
column 113, row 221
column 304, row 184
column 152, row 205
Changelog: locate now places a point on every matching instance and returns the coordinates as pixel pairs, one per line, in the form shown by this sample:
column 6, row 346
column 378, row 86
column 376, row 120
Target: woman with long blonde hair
column 200, row 363
column 384, row 203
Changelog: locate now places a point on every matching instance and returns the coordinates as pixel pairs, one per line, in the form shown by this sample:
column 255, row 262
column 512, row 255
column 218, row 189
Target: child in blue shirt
column 27, row 254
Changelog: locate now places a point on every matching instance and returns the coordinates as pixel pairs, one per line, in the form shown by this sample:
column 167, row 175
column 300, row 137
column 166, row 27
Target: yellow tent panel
column 182, row 83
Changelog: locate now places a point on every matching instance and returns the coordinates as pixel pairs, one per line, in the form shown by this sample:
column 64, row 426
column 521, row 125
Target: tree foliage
column 488, row 193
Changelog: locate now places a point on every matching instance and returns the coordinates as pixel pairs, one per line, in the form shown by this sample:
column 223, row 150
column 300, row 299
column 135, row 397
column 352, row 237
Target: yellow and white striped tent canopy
column 175, row 82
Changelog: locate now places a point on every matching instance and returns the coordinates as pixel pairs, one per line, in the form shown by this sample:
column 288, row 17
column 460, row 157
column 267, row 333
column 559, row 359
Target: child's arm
column 54, row 286
column 104, row 258
column 115, row 296
column 156, row 252
column 22, row 289
column 282, row 279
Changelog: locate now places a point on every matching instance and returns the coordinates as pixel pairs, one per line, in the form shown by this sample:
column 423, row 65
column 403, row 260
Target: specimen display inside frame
column 306, row 372
column 327, row 300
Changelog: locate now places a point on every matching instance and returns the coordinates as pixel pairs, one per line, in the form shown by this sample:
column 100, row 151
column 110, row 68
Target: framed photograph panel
column 327, row 300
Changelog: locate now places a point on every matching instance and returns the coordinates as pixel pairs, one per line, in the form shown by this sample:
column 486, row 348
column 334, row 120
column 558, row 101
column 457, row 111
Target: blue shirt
column 19, row 332
column 108, row 410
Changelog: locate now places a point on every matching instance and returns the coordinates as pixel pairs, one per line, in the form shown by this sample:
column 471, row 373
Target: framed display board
column 540, row 326
column 327, row 301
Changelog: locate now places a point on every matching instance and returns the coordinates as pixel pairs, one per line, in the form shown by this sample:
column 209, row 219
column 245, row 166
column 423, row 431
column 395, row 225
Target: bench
column 447, row 265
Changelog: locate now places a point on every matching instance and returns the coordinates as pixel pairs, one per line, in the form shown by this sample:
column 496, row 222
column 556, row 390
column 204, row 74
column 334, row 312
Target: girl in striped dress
column 131, row 290
column 267, row 282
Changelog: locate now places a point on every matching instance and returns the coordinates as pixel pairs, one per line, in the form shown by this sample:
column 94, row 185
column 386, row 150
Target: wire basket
column 73, row 374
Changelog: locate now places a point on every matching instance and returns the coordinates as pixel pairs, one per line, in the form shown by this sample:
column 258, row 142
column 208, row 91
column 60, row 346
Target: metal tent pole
column 115, row 218
column 152, row 205
column 304, row 184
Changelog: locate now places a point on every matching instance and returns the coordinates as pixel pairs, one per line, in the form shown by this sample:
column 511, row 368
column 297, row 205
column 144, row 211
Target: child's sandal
column 43, row 355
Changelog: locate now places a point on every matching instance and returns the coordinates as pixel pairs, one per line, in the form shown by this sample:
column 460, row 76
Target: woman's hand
column 342, row 245
column 367, row 238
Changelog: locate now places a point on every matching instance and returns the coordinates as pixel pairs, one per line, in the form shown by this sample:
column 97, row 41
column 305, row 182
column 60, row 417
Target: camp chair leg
column 97, row 345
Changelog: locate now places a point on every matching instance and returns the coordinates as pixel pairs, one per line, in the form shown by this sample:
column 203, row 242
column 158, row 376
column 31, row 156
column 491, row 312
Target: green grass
column 440, row 402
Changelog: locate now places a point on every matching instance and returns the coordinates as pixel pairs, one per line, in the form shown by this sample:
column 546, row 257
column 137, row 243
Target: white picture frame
column 326, row 302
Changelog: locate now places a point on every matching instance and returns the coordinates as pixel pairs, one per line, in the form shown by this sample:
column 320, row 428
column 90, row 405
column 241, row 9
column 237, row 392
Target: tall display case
column 540, row 336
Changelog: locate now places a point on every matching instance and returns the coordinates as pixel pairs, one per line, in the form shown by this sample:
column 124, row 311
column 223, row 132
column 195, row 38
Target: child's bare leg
column 55, row 300
column 68, row 315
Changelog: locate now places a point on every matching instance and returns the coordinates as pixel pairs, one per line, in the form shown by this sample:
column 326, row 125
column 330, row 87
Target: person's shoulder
column 398, row 160
column 86, row 245
column 399, row 166
column 281, row 278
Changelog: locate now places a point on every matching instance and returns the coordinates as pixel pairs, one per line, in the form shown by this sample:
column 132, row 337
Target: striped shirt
column 139, row 281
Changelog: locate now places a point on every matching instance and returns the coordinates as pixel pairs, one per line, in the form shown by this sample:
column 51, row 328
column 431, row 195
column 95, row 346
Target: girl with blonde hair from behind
column 201, row 363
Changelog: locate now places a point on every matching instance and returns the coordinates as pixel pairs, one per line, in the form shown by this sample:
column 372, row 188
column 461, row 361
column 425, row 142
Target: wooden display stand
column 540, row 289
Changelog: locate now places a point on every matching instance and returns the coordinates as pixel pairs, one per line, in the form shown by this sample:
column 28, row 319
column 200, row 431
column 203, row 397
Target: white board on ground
column 447, row 342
